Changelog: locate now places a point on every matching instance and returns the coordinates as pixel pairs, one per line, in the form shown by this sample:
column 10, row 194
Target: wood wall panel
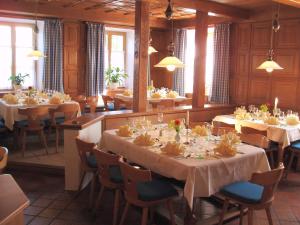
column 289, row 60
column 256, row 58
column 286, row 91
column 244, row 39
column 240, row 87
column 242, row 63
column 261, row 35
column 259, row 90
column 288, row 37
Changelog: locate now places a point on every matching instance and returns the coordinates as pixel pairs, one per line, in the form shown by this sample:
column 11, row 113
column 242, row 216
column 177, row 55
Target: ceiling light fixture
column 170, row 62
column 151, row 49
column 35, row 54
column 270, row 65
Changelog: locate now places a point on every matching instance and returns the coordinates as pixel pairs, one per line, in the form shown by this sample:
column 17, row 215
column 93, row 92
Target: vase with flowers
column 176, row 125
column 18, row 80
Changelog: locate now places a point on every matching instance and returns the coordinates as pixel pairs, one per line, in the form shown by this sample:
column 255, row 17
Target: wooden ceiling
column 246, row 4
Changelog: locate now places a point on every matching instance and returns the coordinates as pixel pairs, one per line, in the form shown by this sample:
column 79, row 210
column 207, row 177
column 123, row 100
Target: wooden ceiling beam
column 11, row 7
column 294, row 3
column 214, row 7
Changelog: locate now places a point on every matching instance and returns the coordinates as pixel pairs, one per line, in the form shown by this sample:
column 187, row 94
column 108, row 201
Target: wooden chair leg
column 171, row 211
column 145, row 216
column 125, row 213
column 23, row 142
column 116, row 206
column 224, row 210
column 241, row 214
column 268, row 212
column 43, row 138
column 49, row 132
column 272, row 160
column 56, row 139
column 250, row 216
column 81, row 181
column 92, row 191
column 290, row 163
column 99, row 198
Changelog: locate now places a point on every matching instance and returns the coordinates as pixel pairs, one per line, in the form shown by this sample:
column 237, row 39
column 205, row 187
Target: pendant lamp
column 270, row 65
column 170, row 62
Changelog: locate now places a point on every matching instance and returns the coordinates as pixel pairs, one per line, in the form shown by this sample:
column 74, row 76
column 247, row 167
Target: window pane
column 5, row 65
column 24, row 37
column 189, row 59
column 117, row 43
column 25, row 65
column 5, row 37
column 209, row 61
column 117, row 59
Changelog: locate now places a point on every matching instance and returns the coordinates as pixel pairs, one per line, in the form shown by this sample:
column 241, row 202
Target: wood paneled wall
column 74, row 58
column 249, row 47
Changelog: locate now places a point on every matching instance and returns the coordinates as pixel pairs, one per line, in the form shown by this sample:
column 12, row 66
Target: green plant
column 115, row 75
column 18, row 79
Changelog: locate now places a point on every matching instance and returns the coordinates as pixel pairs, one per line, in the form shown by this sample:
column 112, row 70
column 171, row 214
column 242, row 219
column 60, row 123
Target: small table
column 13, row 201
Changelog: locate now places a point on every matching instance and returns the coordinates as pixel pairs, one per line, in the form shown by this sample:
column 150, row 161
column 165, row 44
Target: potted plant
column 114, row 76
column 18, row 80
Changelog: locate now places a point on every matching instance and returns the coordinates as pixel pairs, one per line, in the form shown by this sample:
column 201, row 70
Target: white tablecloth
column 203, row 177
column 10, row 112
column 282, row 133
column 130, row 98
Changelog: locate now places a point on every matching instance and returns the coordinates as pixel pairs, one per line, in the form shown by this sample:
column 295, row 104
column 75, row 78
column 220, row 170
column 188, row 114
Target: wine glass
column 281, row 116
column 160, row 117
column 289, row 112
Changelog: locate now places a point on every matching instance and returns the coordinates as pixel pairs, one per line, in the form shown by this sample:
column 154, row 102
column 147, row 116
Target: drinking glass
column 160, row 117
column 289, row 112
column 281, row 116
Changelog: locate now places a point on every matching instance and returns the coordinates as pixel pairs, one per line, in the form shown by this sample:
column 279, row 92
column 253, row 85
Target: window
column 16, row 41
column 115, row 49
column 189, row 59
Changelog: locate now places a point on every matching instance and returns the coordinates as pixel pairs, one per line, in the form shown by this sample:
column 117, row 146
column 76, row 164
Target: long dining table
column 203, row 173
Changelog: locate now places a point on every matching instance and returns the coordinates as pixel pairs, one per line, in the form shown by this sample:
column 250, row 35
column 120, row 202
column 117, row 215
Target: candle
column 152, row 83
column 187, row 117
column 276, row 103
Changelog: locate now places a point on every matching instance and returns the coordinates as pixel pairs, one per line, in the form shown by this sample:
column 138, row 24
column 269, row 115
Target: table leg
column 190, row 218
column 280, row 153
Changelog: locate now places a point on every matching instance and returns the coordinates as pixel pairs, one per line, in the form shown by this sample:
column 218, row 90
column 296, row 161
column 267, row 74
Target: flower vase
column 177, row 137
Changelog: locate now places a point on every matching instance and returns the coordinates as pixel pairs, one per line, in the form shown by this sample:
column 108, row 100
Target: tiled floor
column 50, row 204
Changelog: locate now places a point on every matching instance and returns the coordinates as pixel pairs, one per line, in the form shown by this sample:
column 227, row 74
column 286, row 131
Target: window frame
column 110, row 33
column 13, row 26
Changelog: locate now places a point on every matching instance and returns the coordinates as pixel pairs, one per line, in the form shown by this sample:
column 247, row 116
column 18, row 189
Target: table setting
column 203, row 161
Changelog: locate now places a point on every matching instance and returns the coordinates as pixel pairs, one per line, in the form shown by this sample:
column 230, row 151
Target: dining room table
column 129, row 98
column 282, row 133
column 202, row 171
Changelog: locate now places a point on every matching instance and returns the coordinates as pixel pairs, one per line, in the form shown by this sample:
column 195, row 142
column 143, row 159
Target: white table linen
column 283, row 134
column 149, row 99
column 203, row 177
column 10, row 113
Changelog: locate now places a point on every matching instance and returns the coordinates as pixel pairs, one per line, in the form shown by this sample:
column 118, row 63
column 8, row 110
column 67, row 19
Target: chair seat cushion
column 115, row 174
column 155, row 190
column 110, row 106
column 244, row 191
column 91, row 161
column 296, row 145
column 59, row 120
column 2, row 124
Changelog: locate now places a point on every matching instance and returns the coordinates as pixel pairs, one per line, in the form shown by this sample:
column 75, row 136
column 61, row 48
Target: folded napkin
column 144, row 140
column 156, row 95
column 292, row 120
column 200, row 130
column 55, row 100
column 127, row 92
column 271, row 120
column 173, row 149
column 227, row 145
column 124, row 131
column 11, row 99
column 42, row 95
column 172, row 94
column 30, row 101
column 242, row 114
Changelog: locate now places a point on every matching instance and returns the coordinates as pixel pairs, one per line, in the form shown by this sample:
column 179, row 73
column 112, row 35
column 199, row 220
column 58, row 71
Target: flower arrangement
column 18, row 79
column 264, row 107
column 227, row 145
column 175, row 124
column 114, row 76
column 200, row 130
column 173, row 149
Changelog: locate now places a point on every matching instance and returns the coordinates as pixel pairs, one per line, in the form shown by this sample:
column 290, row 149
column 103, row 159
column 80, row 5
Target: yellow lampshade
column 36, row 54
column 151, row 50
column 270, row 66
column 171, row 63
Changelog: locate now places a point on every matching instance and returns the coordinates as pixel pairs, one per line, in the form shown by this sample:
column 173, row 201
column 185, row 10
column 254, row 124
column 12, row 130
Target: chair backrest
column 270, row 182
column 132, row 175
column 81, row 99
column 218, row 131
column 120, row 104
column 107, row 99
column 69, row 111
column 163, row 103
column 257, row 140
column 221, row 124
column 189, row 95
column 84, row 148
column 34, row 116
column 250, row 130
column 92, row 101
column 3, row 158
column 194, row 124
column 105, row 160
column 187, row 101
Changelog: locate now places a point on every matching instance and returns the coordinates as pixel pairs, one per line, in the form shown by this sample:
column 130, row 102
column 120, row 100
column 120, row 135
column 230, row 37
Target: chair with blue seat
column 295, row 152
column 109, row 103
column 33, row 124
column 110, row 177
column 59, row 115
column 256, row 194
column 88, row 165
column 143, row 191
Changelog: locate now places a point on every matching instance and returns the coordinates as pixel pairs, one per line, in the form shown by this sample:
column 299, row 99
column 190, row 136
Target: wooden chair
column 92, row 101
column 194, row 124
column 122, row 105
column 140, row 190
column 163, row 103
column 260, row 135
column 108, row 102
column 88, row 165
column 221, row 124
column 256, row 194
column 34, row 124
column 3, row 158
column 81, row 99
column 295, row 152
column 110, row 177
column 188, row 95
column 218, row 131
column 187, row 101
column 68, row 112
